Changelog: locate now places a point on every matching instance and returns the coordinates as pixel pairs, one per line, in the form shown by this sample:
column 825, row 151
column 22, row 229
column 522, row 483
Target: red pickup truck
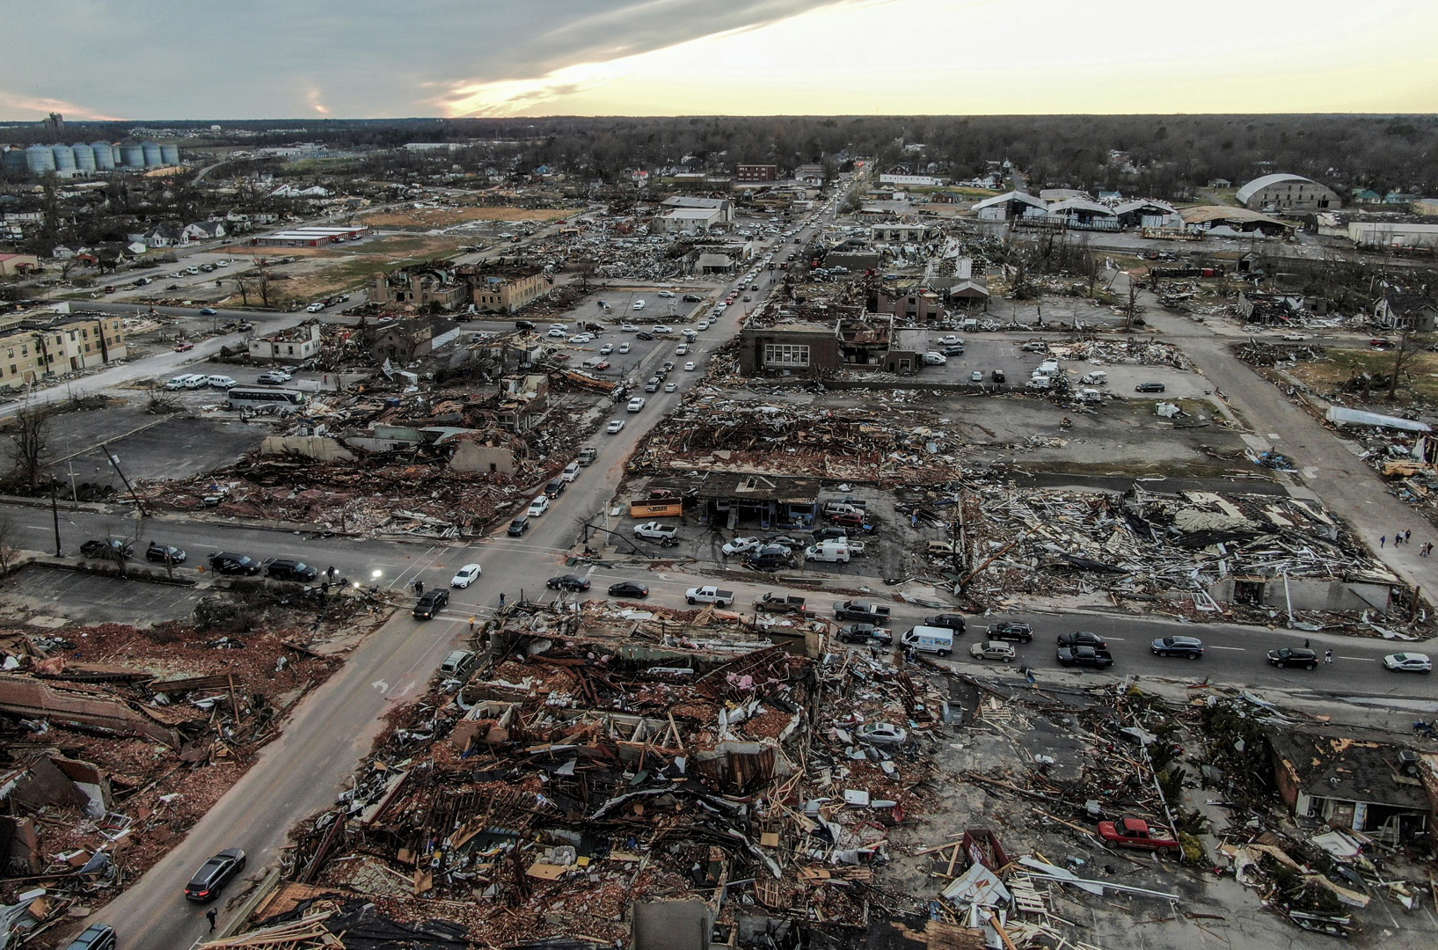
column 1135, row 833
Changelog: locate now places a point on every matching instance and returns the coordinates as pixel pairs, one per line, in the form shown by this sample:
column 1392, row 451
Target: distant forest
column 1165, row 155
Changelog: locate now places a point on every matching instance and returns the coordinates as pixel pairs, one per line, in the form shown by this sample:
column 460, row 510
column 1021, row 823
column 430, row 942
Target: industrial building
column 1393, row 234
column 311, row 236
column 686, row 221
column 1284, row 192
column 83, row 159
column 723, row 206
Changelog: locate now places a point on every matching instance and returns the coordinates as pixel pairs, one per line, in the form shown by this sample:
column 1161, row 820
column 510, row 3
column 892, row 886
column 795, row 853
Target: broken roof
column 1347, row 764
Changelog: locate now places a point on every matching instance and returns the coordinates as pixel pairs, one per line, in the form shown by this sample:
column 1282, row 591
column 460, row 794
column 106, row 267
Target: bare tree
column 243, row 286
column 1410, row 343
column 29, row 439
column 1132, row 307
column 7, row 550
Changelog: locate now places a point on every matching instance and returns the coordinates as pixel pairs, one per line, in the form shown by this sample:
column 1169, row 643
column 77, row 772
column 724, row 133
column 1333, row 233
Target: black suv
column 165, row 553
column 1148, row 388
column 555, row 488
column 113, row 549
column 94, row 937
column 518, row 526
column 567, row 582
column 1293, row 656
column 1015, row 631
column 286, row 569
column 1190, row 647
column 215, row 874
column 829, row 534
column 430, row 603
column 225, row 563
column 952, row 622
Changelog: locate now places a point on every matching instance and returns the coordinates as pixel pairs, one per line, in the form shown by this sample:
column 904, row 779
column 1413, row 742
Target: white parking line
column 1231, row 649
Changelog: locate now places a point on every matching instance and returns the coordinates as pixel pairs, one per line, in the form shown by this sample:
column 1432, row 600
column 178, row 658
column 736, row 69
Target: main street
column 308, row 766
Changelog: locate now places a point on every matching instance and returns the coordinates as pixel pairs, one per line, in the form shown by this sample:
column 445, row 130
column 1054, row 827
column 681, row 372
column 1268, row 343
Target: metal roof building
column 1285, row 192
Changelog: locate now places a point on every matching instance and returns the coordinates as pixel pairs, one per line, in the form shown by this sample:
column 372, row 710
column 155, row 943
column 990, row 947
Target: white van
column 639, row 304
column 197, row 381
column 834, row 551
column 571, row 472
column 1047, row 368
column 1096, row 378
column 178, row 382
column 938, row 640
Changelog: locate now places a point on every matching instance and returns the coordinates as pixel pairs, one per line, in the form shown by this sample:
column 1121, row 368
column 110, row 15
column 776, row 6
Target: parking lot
column 51, row 593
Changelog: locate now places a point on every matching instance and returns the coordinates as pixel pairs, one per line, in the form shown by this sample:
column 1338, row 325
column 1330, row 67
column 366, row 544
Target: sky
column 208, row 59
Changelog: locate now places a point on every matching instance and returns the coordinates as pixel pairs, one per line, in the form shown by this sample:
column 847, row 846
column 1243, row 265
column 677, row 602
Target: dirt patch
column 1420, row 372
column 448, row 217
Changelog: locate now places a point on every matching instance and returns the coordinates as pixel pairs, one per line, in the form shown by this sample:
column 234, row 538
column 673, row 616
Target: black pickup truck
column 1094, row 657
column 861, row 610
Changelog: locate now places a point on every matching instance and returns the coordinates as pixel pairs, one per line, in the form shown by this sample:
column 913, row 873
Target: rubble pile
column 901, row 447
column 614, row 758
column 116, row 740
column 1100, row 352
column 1263, row 353
column 1140, row 543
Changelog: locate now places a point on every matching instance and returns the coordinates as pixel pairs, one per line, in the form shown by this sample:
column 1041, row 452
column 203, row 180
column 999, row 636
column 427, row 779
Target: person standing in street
column 210, row 915
column 1328, row 656
column 1382, row 540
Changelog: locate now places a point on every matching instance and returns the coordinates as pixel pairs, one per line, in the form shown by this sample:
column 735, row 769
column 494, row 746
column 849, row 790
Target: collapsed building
column 611, row 774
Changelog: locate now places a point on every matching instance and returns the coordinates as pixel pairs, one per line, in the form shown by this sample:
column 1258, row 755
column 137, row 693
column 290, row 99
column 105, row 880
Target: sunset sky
column 155, row 59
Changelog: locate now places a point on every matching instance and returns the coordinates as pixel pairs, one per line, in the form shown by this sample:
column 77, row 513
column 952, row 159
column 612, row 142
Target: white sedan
column 689, row 366
column 606, row 349
column 628, row 328
column 615, row 426
column 466, row 575
column 882, row 733
column 1408, row 663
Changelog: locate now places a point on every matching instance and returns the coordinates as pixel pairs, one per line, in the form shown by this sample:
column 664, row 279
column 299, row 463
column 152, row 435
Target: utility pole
column 55, row 514
column 115, row 463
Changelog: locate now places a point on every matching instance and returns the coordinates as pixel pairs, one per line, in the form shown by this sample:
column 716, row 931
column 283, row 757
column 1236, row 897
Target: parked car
column 671, row 387
column 1091, row 657
column 208, row 311
column 274, row 376
column 214, row 874
column 465, row 576
column 614, row 427
column 288, row 569
column 665, row 534
column 739, row 546
column 518, row 526
column 689, row 366
column 111, row 549
column 430, row 603
column 992, row 650
column 997, row 376
column 977, row 376
column 555, row 487
column 165, row 553
column 1408, row 663
column 643, row 335
column 1082, row 639
column 538, row 506
column 865, row 633
column 1189, row 647
column 1285, row 657
column 882, row 733
column 226, row 563
column 632, row 589
column 935, row 358
column 1149, row 387
column 571, row 582
column 94, row 937
column 221, row 382
column 635, row 404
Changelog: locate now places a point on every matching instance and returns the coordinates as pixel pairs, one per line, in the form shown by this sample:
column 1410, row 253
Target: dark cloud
column 173, row 58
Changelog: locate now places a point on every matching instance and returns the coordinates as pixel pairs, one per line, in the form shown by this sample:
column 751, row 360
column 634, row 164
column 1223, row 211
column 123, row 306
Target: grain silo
column 170, row 154
column 104, row 155
column 132, row 156
column 64, row 159
column 84, row 157
column 12, row 160
column 151, row 151
column 40, row 159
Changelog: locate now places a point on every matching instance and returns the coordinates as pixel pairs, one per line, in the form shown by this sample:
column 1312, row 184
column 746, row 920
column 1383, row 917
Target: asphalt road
column 306, row 768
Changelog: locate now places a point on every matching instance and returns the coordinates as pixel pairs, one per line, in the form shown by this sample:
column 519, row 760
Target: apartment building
column 34, row 347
